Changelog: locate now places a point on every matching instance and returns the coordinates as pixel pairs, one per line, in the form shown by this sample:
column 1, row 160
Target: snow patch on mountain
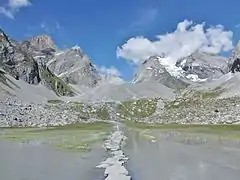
column 169, row 65
column 177, row 72
column 194, row 78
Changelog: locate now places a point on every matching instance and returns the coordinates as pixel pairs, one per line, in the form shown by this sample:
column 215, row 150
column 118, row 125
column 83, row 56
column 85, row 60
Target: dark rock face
column 17, row 62
column 232, row 61
column 235, row 66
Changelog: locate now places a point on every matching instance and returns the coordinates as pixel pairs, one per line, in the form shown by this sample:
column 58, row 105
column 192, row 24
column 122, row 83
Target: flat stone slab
column 116, row 169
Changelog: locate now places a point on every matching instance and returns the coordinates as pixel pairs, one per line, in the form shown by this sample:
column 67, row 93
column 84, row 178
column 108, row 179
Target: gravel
column 15, row 113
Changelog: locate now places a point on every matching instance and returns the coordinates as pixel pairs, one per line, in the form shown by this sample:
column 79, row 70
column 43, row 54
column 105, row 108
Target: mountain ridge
column 72, row 89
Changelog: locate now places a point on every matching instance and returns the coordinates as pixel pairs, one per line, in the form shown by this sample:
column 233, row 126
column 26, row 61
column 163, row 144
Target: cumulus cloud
column 112, row 71
column 186, row 39
column 13, row 7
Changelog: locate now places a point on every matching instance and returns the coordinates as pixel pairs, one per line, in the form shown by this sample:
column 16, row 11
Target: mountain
column 42, row 85
column 17, row 59
column 201, row 66
column 75, row 67
column 153, row 70
column 195, row 68
column 118, row 92
column 42, row 42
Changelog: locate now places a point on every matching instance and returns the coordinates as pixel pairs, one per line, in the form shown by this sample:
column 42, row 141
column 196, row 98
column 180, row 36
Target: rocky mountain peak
column 42, row 42
column 153, row 69
column 75, row 67
column 77, row 49
column 150, row 68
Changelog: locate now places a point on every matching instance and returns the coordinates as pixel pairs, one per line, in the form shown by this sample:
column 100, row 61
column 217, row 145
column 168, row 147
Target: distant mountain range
column 38, row 60
column 37, row 71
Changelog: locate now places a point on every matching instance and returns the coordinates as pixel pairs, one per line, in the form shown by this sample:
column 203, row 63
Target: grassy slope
column 137, row 108
column 56, row 84
column 132, row 109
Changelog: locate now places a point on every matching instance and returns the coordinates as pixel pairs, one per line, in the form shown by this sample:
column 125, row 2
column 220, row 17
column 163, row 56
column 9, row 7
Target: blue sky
column 99, row 27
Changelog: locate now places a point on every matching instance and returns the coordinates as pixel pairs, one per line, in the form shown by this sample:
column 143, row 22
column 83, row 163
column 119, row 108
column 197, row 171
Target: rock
column 16, row 113
column 114, row 165
column 235, row 67
column 17, row 62
column 43, row 42
column 116, row 169
column 118, row 177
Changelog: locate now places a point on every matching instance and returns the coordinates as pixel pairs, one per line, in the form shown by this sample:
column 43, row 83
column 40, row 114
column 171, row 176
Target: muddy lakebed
column 153, row 153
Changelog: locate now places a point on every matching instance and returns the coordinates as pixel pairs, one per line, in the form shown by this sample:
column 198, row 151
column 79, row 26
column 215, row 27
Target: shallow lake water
column 40, row 162
column 176, row 158
column 167, row 156
column 33, row 154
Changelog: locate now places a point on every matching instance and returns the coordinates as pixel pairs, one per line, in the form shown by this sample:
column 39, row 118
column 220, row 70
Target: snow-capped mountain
column 159, row 70
column 197, row 67
column 39, row 60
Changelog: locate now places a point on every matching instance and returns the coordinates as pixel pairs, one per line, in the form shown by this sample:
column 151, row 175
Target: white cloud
column 186, row 39
column 17, row 4
column 112, row 71
column 13, row 7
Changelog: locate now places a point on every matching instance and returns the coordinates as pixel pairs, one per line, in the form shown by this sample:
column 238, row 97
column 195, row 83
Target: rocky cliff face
column 75, row 67
column 17, row 62
column 202, row 66
column 233, row 61
column 42, row 42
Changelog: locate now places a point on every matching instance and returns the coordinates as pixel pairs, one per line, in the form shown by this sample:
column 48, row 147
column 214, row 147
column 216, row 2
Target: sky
column 119, row 35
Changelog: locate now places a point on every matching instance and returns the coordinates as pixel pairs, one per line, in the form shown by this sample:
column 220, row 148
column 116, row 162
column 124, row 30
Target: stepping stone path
column 114, row 165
